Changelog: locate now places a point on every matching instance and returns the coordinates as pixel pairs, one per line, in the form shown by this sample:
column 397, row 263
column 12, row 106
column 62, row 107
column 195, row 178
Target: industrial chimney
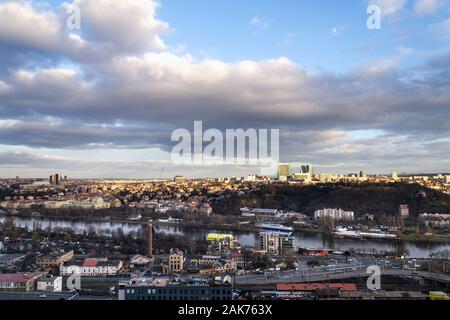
column 150, row 241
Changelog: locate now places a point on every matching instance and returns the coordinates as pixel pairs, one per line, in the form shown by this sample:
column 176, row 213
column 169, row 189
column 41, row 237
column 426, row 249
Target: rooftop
column 316, row 286
column 90, row 263
column 166, row 281
column 18, row 277
column 6, row 258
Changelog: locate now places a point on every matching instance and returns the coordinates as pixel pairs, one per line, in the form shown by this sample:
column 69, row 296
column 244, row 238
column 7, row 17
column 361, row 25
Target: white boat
column 344, row 233
column 275, row 228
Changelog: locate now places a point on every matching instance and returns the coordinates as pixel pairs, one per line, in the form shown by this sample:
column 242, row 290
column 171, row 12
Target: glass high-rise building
column 284, row 170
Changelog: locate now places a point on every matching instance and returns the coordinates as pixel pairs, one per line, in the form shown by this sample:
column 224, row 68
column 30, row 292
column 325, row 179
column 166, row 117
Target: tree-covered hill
column 378, row 199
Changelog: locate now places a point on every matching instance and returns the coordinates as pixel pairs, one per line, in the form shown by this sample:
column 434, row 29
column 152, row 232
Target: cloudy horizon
column 102, row 101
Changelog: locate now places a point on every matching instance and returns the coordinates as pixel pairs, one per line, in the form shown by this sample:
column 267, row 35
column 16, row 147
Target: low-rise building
column 22, row 282
column 91, row 268
column 54, row 259
column 174, row 289
column 404, row 210
column 49, row 284
column 140, row 260
column 175, row 262
column 313, row 290
column 7, row 260
column 212, row 265
column 435, row 220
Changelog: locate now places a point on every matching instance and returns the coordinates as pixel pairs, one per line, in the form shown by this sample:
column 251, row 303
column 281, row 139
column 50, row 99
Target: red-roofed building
column 314, row 289
column 90, row 263
column 19, row 281
column 316, row 286
column 91, row 268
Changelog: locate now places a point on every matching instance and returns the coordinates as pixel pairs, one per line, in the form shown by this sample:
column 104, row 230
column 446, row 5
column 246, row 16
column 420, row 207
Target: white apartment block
column 336, row 214
column 91, row 268
column 50, row 284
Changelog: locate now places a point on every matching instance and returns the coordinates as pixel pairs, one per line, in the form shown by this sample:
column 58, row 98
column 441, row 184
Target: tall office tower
column 307, row 171
column 57, row 179
column 65, row 178
column 284, row 170
column 307, row 168
column 51, row 179
column 150, row 241
column 394, row 175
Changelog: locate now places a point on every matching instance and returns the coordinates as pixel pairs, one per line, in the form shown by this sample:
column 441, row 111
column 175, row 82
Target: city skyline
column 102, row 101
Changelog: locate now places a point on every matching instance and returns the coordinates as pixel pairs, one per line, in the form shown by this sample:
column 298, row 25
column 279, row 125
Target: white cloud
column 441, row 30
column 260, row 22
column 389, row 7
column 3, row 87
column 128, row 26
column 378, row 67
column 108, row 28
column 427, row 7
column 23, row 24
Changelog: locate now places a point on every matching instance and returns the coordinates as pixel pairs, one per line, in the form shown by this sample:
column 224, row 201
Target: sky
column 104, row 99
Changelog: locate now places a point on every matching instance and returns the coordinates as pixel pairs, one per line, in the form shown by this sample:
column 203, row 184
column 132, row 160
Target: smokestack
column 150, row 241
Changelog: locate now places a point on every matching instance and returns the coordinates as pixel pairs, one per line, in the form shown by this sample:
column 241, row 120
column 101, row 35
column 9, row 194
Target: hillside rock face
column 378, row 199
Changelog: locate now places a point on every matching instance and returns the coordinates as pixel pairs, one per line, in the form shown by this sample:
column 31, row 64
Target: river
column 249, row 239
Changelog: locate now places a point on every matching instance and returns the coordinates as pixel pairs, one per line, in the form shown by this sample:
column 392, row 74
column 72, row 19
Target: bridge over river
column 310, row 276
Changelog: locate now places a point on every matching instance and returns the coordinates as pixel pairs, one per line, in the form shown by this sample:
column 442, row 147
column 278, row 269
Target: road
column 327, row 274
column 47, row 296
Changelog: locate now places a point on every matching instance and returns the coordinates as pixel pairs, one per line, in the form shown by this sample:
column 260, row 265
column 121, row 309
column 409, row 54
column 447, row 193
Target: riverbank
column 187, row 225
column 247, row 228
column 425, row 239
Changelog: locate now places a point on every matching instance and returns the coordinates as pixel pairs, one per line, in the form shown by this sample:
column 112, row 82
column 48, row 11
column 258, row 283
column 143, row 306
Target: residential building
column 8, row 260
column 435, row 220
column 174, row 289
column 50, row 284
column 212, row 265
column 54, row 259
column 91, row 268
column 275, row 242
column 335, row 214
column 22, row 282
column 175, row 262
column 404, row 211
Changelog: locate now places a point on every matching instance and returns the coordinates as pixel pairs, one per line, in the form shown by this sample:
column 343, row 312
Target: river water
column 249, row 239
